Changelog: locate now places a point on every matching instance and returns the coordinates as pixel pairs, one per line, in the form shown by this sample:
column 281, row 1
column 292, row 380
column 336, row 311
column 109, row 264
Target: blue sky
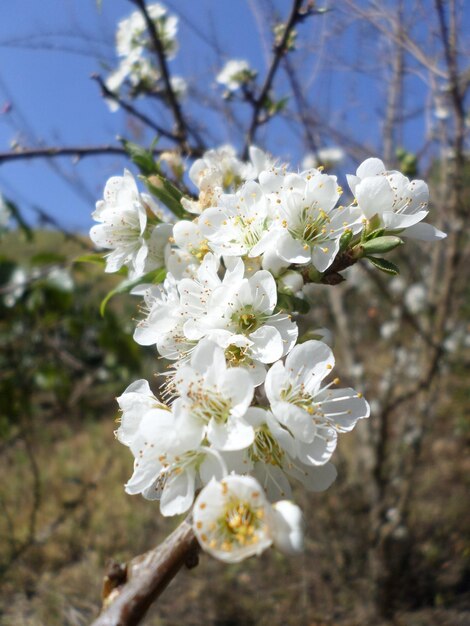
column 49, row 49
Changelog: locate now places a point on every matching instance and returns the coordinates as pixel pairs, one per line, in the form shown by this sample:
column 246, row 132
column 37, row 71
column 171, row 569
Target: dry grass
column 84, row 517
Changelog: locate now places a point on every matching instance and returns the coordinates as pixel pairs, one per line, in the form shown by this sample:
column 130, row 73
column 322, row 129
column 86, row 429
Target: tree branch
column 181, row 126
column 132, row 110
column 129, row 591
column 279, row 51
column 21, row 154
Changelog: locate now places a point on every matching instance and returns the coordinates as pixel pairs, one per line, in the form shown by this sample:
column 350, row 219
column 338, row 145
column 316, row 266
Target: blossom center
column 209, row 404
column 238, row 524
column 265, row 448
column 247, row 320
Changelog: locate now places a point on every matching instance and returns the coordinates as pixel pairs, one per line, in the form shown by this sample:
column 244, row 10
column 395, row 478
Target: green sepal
column 383, row 265
column 291, row 304
column 381, row 245
column 166, row 192
column 345, row 239
column 141, row 157
column 378, row 232
column 314, row 275
column 372, row 225
column 154, row 277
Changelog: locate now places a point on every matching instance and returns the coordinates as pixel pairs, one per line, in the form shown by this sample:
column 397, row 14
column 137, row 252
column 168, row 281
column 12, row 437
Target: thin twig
column 180, row 122
column 132, row 110
column 280, row 49
column 21, row 154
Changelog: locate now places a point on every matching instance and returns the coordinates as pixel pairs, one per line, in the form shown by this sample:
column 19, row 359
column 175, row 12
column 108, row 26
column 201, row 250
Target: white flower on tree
column 307, row 227
column 189, row 250
column 218, row 171
column 216, row 397
column 234, row 74
column 170, row 464
column 238, row 225
column 247, row 410
column 233, row 520
column 238, row 314
column 272, row 458
column 132, row 36
column 162, row 325
column 399, row 204
column 312, row 412
column 123, row 217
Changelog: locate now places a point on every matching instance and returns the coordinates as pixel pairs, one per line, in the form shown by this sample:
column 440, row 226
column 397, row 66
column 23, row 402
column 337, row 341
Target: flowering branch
column 132, row 110
column 279, row 51
column 181, row 126
column 128, row 591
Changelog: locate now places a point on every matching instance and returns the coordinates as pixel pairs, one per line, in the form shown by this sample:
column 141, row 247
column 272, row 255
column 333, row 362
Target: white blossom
column 216, row 397
column 233, row 520
column 307, row 228
column 329, row 157
column 238, row 225
column 123, row 218
column 314, row 414
column 190, row 248
column 164, row 318
column 237, row 313
column 274, row 460
column 235, row 73
column 170, row 464
column 399, row 204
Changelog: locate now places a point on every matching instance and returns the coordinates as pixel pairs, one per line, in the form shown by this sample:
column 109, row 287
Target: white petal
column 267, row 344
column 423, row 232
column 288, row 532
column 317, row 478
column 370, row 167
column 374, row 196
column 343, row 407
column 298, row 421
column 319, row 450
column 276, row 379
column 324, row 254
column 395, row 221
column 238, row 386
column 236, row 434
column 292, row 250
column 178, row 493
column 309, row 363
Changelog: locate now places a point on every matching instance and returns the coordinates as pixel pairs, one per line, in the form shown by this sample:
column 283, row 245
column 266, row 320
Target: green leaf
column 383, row 265
column 16, row 214
column 96, row 258
column 381, row 245
column 141, row 157
column 47, row 258
column 154, row 277
column 166, row 192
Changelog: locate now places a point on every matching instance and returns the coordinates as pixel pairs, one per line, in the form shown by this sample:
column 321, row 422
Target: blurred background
column 389, row 543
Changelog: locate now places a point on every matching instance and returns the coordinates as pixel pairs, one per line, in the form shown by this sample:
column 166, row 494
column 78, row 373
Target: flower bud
column 290, row 282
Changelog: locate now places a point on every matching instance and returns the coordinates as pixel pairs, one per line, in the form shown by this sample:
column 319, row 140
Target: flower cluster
column 235, row 74
column 136, row 70
column 247, row 408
